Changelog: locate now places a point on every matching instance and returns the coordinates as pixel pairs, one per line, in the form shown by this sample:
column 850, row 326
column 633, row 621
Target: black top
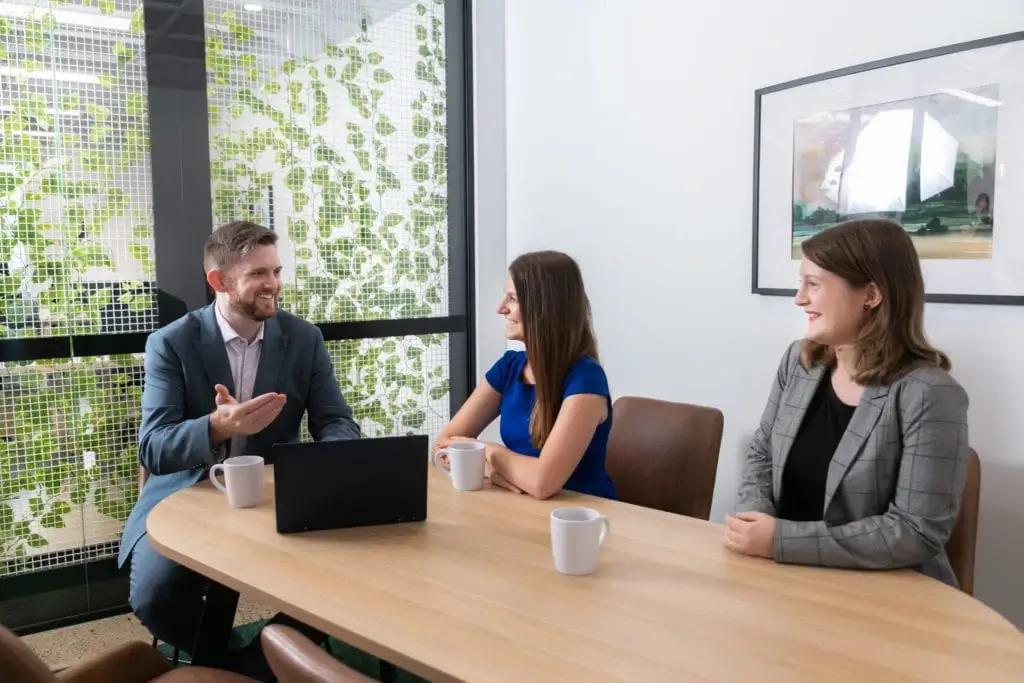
column 803, row 480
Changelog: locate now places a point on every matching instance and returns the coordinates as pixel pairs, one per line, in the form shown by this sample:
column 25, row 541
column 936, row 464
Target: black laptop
column 341, row 484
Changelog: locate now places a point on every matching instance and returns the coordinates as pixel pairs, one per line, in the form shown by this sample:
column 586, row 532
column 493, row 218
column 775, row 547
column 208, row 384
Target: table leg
column 215, row 625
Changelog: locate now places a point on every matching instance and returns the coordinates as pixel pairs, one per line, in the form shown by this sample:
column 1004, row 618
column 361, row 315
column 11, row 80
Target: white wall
column 629, row 145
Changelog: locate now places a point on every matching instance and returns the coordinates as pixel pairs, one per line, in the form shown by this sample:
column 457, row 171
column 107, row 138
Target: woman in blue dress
column 552, row 399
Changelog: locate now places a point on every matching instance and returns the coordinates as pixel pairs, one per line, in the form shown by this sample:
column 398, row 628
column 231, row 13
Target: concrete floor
column 63, row 647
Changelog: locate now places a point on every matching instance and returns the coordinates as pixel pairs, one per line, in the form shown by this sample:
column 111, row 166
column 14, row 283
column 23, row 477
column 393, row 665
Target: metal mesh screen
column 75, row 195
column 68, row 457
column 395, row 385
column 75, row 259
column 327, row 122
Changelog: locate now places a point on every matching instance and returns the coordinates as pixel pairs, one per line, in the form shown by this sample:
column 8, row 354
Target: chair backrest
column 143, row 476
column 294, row 658
column 18, row 664
column 664, row 455
column 963, row 541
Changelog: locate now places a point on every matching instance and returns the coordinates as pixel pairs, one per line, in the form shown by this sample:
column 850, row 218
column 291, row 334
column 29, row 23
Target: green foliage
column 70, row 441
column 77, row 179
column 359, row 256
column 68, row 427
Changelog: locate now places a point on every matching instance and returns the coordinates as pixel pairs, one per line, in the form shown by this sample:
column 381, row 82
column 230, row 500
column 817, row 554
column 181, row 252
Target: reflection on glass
column 876, row 179
column 938, row 158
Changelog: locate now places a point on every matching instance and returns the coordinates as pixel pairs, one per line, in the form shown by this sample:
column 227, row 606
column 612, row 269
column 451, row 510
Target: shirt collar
column 228, row 332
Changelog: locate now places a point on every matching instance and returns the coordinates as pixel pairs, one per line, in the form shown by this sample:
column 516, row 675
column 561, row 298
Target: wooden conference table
column 472, row 595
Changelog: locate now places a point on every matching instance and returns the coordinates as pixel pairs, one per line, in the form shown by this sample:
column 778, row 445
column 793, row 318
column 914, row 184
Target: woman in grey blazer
column 861, row 455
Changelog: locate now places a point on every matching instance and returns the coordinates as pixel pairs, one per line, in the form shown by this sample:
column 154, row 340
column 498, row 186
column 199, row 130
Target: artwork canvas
column 927, row 163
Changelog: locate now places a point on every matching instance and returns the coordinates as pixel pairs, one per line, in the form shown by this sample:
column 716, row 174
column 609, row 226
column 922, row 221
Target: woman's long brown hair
column 557, row 328
column 892, row 340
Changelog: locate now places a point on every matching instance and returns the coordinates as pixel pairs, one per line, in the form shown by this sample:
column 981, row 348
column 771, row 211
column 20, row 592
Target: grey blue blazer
column 184, row 361
column 895, row 481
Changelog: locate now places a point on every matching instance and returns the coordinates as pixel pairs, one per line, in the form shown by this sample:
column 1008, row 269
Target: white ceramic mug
column 243, row 480
column 466, row 463
column 577, row 536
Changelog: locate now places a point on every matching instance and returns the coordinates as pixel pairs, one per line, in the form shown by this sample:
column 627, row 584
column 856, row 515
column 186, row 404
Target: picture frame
column 931, row 139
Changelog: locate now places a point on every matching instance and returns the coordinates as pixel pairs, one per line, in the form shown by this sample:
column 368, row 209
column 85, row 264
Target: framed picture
column 933, row 140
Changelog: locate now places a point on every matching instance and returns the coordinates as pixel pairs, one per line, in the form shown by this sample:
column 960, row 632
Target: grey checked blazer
column 895, row 481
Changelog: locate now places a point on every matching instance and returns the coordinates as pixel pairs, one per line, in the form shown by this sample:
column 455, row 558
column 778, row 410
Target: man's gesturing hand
column 233, row 418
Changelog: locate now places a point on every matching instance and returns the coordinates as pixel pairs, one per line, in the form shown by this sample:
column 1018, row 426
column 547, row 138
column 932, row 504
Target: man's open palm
column 246, row 418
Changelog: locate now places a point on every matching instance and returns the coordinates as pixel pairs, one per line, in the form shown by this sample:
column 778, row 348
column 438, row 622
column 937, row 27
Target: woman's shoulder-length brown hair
column 892, row 341
column 557, row 328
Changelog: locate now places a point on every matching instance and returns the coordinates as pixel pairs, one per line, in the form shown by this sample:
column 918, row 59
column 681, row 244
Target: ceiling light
column 66, row 76
column 253, row 7
column 65, row 17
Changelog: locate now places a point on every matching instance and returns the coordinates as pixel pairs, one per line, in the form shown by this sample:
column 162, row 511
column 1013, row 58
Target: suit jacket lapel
column 850, row 446
column 212, row 353
column 275, row 346
column 795, row 401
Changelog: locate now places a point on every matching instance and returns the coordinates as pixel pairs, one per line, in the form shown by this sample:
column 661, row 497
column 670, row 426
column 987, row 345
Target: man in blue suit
column 229, row 379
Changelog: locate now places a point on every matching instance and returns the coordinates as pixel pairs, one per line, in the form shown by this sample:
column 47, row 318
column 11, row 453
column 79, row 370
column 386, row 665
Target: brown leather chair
column 962, row 543
column 664, row 455
column 294, row 658
column 134, row 662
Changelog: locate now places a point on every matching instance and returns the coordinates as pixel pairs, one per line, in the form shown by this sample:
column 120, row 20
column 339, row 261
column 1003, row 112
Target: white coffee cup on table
column 466, row 464
column 577, row 536
column 243, row 480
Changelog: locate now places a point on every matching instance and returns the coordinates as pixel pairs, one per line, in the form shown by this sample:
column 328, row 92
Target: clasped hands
column 750, row 533
column 489, row 450
column 249, row 417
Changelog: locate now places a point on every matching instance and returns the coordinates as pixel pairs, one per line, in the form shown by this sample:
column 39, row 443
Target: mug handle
column 606, row 528
column 435, row 458
column 213, row 477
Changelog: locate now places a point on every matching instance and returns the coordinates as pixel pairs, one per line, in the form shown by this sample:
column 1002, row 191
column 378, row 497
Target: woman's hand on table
column 750, row 533
column 500, row 481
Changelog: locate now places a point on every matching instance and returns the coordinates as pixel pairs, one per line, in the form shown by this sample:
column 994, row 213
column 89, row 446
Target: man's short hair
column 229, row 243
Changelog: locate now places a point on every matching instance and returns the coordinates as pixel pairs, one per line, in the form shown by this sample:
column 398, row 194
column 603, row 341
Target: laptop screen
column 341, row 484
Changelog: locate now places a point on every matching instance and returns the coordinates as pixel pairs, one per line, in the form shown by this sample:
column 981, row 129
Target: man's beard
column 251, row 309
